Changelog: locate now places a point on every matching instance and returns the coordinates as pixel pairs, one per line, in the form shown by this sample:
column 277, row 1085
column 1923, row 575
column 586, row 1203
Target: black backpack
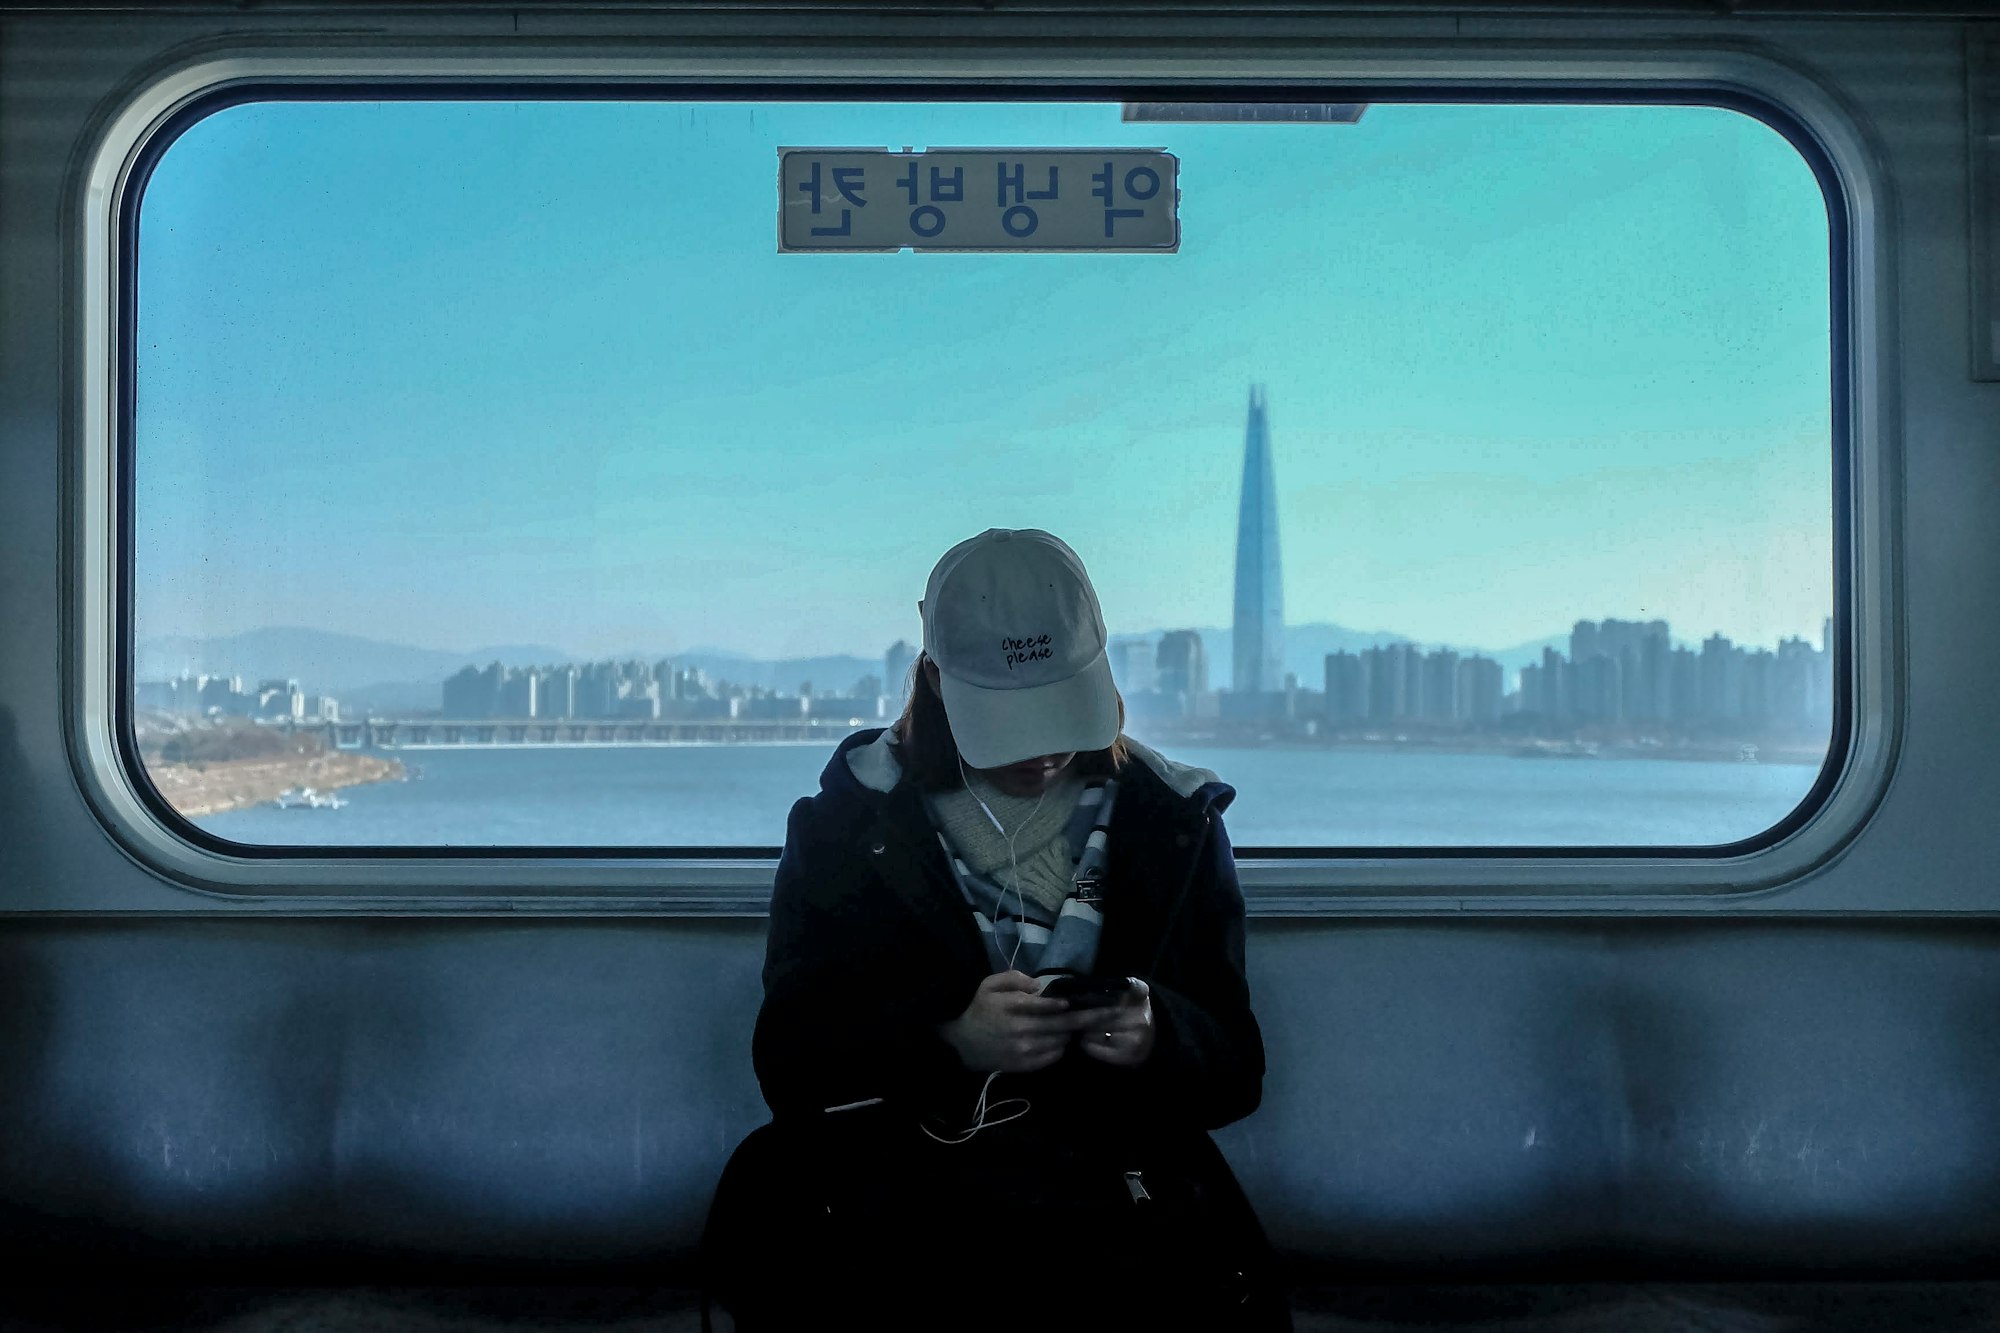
column 861, row 1214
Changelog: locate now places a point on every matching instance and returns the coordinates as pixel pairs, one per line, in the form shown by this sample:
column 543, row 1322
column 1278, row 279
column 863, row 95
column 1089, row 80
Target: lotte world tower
column 1259, row 637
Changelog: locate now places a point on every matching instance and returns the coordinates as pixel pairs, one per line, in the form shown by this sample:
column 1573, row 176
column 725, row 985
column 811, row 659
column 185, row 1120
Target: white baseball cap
column 1013, row 624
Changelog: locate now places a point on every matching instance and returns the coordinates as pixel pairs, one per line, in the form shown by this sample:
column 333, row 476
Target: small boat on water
column 1556, row 750
column 308, row 798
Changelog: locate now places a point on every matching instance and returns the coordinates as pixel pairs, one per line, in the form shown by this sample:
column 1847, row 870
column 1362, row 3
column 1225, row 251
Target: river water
column 724, row 795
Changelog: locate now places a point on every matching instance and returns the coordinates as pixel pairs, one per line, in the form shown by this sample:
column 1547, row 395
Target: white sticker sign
column 1105, row 199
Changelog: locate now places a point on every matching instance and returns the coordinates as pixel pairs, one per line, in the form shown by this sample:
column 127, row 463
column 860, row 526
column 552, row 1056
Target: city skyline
column 1614, row 671
column 209, row 657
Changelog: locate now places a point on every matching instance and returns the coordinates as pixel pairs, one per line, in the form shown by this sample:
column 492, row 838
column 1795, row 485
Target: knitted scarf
column 1023, row 930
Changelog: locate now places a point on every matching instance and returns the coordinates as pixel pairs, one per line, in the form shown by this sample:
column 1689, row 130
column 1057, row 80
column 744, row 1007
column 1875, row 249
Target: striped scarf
column 1029, row 936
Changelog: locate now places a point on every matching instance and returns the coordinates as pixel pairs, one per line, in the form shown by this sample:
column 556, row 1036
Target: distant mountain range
column 370, row 672
column 322, row 661
column 364, row 672
column 347, row 666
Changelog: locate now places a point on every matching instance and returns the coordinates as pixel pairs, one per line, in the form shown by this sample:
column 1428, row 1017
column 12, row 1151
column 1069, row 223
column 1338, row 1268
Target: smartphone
column 1086, row 992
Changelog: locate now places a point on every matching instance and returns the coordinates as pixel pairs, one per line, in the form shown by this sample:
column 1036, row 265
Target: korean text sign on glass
column 978, row 199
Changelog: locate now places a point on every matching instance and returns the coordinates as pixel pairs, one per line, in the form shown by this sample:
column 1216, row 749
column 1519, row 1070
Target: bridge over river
column 431, row 733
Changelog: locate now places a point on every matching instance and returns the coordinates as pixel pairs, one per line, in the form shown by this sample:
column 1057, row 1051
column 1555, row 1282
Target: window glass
column 1463, row 478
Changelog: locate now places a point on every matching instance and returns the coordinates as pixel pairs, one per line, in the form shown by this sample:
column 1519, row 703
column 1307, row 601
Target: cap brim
column 995, row 728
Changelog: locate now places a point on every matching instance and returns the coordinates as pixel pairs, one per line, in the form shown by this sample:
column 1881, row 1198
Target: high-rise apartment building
column 555, row 693
column 1620, row 670
column 1554, row 704
column 1132, row 666
column 1721, row 679
column 1480, row 681
column 1180, row 665
column 1259, row 626
column 465, row 694
column 1596, row 688
column 1439, row 700
column 1684, row 684
column 517, row 693
column 1346, row 688
column 1386, row 669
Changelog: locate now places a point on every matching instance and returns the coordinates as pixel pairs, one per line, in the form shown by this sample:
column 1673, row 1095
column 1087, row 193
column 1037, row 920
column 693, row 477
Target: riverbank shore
column 235, row 784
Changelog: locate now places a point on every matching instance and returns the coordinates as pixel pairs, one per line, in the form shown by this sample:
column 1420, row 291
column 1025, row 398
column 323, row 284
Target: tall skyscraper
column 1259, row 639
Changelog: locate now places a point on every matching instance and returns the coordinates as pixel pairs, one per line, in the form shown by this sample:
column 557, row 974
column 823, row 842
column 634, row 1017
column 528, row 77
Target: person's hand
column 1010, row 1027
column 1120, row 1034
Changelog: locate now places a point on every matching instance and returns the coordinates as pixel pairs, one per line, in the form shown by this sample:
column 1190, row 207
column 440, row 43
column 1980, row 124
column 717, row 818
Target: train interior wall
column 199, row 1091
column 340, row 1101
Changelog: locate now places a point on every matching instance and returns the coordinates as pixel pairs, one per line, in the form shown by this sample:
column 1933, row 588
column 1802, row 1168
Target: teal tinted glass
column 1463, row 477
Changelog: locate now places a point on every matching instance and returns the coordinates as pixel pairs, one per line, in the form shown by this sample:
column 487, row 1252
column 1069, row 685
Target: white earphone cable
column 983, row 1112
column 1013, row 861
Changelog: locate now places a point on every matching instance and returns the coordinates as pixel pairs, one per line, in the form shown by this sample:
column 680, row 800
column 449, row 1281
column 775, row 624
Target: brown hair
column 930, row 753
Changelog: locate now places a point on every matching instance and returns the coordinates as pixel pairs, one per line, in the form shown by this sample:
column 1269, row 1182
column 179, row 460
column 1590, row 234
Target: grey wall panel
column 1680, row 1097
column 542, row 1092
column 1432, row 1092
column 1768, row 1097
column 1808, row 1087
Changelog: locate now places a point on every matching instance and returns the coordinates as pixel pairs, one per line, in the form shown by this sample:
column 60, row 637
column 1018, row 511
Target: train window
column 1454, row 475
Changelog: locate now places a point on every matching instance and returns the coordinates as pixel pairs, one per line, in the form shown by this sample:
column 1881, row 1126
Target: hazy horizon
column 335, row 667
column 722, row 650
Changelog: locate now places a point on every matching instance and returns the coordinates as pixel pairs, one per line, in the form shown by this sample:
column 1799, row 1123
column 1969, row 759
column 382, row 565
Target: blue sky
column 457, row 374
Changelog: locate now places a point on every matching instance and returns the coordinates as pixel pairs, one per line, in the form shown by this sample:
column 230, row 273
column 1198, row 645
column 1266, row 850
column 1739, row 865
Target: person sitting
column 1004, row 1002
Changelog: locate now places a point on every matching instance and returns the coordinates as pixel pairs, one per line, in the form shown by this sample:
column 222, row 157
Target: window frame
column 1290, row 881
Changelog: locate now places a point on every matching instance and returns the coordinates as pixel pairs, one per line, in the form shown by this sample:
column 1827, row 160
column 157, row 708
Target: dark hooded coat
column 871, row 948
